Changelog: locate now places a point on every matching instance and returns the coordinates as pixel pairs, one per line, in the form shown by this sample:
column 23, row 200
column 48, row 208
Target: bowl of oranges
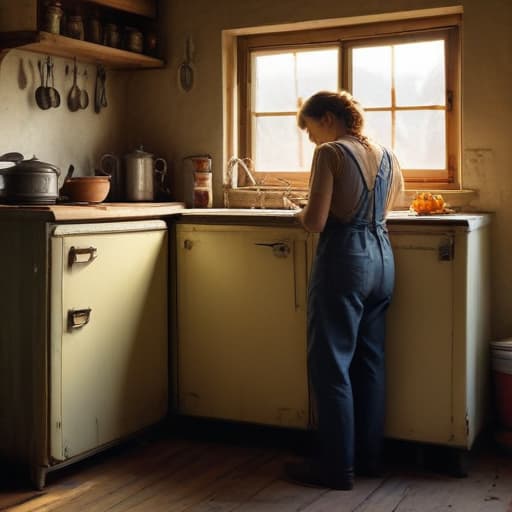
column 426, row 203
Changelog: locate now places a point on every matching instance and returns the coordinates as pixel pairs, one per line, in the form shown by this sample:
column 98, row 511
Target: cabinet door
column 242, row 324
column 108, row 337
column 419, row 346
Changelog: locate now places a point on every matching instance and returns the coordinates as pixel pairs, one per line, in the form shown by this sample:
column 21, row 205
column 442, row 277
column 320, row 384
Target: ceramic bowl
column 87, row 189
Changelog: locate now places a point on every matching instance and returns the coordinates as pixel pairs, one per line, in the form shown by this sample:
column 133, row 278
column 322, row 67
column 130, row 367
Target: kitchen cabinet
column 241, row 347
column 22, row 26
column 84, row 338
column 437, row 349
column 241, row 315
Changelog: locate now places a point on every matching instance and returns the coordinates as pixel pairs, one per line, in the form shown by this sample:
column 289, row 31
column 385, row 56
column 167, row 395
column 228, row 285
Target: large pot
column 28, row 181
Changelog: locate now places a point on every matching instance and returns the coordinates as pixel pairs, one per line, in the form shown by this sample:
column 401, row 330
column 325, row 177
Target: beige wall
column 57, row 135
column 176, row 123
column 173, row 124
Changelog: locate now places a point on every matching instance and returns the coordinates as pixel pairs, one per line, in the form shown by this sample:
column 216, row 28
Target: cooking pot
column 140, row 171
column 28, row 181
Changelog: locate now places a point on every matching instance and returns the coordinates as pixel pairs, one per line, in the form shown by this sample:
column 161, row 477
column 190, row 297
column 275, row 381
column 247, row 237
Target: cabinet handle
column 446, row 250
column 85, row 255
column 77, row 318
column 279, row 249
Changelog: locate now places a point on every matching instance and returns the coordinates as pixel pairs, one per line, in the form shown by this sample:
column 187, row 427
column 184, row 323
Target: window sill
column 279, row 198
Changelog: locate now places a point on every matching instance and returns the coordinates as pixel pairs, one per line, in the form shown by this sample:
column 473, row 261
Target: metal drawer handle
column 280, row 249
column 77, row 318
column 85, row 255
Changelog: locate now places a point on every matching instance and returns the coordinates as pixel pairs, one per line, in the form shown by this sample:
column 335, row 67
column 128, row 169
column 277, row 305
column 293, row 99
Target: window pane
column 317, row 70
column 419, row 74
column 420, row 139
column 274, row 83
column 276, row 143
column 308, row 149
column 378, row 127
column 371, row 76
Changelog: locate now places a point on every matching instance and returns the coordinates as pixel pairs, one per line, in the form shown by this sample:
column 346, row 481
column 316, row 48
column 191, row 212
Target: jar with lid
column 134, row 40
column 75, row 27
column 94, row 29
column 202, row 189
column 52, row 17
column 111, row 35
column 198, row 181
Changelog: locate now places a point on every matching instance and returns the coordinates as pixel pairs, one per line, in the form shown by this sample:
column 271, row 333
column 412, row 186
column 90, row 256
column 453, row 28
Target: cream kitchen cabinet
column 241, row 332
column 83, row 338
column 241, row 348
column 437, row 348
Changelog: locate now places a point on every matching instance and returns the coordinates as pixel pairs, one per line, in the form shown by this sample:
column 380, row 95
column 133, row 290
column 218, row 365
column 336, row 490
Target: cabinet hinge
column 446, row 250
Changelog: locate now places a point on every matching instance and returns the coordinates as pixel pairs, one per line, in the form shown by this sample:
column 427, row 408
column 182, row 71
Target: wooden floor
column 201, row 472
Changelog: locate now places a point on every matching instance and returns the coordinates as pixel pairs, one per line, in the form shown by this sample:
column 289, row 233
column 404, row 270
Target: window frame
column 347, row 37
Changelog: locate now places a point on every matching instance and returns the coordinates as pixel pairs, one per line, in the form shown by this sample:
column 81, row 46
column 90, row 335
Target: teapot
column 137, row 181
column 140, row 171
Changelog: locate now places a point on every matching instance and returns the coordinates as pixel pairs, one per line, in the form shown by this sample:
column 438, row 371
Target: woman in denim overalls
column 353, row 184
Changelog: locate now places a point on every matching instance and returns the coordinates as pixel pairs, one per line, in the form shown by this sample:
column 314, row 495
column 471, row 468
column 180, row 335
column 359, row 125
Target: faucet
column 233, row 163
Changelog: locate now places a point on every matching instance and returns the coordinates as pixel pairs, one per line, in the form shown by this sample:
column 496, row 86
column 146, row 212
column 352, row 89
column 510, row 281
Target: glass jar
column 111, row 35
column 134, row 40
column 75, row 27
column 52, row 17
column 94, row 30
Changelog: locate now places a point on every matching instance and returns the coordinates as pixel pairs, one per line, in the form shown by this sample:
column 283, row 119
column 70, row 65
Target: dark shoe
column 305, row 473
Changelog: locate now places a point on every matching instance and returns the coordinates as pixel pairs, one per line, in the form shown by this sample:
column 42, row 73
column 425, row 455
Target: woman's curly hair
column 341, row 104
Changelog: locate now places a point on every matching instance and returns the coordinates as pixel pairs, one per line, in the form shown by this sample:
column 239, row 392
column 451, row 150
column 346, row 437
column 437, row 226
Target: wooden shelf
column 84, row 51
column 141, row 7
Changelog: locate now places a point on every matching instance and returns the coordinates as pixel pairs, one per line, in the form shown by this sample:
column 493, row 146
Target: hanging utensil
column 84, row 95
column 74, row 93
column 42, row 96
column 52, row 92
column 104, row 90
column 186, row 71
column 99, row 90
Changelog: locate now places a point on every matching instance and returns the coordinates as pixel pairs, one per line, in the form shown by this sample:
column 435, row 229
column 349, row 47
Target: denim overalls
column 349, row 292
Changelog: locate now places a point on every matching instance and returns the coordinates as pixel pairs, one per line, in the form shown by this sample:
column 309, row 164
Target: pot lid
column 33, row 165
column 139, row 153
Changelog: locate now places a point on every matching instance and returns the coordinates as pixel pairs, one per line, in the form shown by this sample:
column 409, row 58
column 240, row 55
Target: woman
column 353, row 184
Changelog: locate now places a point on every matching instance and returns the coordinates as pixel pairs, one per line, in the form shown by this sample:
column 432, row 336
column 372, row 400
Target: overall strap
column 365, row 210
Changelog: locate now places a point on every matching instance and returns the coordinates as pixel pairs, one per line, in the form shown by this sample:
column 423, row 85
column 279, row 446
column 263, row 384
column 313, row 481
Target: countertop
column 122, row 211
column 101, row 211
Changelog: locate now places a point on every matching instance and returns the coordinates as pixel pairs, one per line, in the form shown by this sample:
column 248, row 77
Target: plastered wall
column 176, row 123
column 147, row 107
column 57, row 135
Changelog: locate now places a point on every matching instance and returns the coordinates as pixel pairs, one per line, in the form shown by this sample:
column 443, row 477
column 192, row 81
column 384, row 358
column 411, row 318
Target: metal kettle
column 141, row 169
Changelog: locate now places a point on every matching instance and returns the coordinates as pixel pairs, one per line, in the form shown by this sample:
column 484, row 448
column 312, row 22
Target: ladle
column 74, row 93
column 52, row 92
column 42, row 96
column 84, row 95
column 186, row 70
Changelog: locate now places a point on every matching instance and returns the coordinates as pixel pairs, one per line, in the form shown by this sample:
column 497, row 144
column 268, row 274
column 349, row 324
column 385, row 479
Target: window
column 405, row 74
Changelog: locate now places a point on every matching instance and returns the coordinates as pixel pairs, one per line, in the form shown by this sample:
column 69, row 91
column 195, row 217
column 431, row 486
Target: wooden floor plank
column 177, row 474
column 128, row 473
column 199, row 482
column 123, row 481
column 242, row 484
